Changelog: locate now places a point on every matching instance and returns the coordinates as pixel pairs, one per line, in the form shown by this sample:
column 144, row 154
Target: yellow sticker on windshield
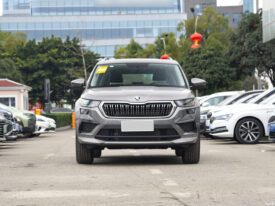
column 101, row 70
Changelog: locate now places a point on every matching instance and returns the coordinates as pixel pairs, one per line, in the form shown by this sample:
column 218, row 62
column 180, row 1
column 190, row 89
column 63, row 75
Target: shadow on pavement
column 138, row 160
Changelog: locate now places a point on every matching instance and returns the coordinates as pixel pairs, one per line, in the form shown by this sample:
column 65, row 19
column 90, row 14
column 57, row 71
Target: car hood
column 144, row 94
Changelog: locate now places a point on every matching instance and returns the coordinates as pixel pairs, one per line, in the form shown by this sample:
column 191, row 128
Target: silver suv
column 137, row 103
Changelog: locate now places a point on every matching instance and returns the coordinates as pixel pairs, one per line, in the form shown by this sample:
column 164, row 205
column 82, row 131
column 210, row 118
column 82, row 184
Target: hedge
column 61, row 119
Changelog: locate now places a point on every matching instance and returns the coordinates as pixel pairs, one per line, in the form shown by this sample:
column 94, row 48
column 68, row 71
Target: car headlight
column 89, row 103
column 191, row 102
column 225, row 117
column 205, row 112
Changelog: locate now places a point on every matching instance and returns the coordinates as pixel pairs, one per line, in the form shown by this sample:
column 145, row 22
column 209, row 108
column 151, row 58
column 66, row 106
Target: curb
column 64, row 128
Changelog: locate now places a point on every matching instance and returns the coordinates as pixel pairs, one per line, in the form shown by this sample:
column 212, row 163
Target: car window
column 216, row 100
column 138, row 74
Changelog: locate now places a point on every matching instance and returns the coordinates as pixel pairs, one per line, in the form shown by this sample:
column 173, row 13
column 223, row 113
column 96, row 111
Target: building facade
column 14, row 94
column 232, row 13
column 101, row 24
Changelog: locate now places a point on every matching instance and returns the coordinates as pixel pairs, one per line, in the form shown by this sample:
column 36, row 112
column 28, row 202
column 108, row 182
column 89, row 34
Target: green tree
column 247, row 50
column 51, row 59
column 210, row 61
column 9, row 70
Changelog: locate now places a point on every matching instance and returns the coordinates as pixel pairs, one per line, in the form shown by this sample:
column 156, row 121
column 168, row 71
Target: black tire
column 249, row 131
column 37, row 135
column 96, row 153
column 179, row 152
column 191, row 155
column 83, row 154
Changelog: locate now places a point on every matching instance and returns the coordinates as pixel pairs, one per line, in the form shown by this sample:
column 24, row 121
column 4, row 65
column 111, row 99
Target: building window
column 225, row 15
column 236, row 18
column 8, row 101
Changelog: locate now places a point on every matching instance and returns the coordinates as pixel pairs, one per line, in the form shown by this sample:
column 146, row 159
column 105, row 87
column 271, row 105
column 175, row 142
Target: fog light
column 84, row 111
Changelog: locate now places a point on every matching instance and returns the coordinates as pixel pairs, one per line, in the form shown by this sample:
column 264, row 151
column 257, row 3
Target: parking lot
column 43, row 171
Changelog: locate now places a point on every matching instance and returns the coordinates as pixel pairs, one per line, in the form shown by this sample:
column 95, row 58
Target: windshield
column 269, row 100
column 229, row 100
column 4, row 106
column 138, row 74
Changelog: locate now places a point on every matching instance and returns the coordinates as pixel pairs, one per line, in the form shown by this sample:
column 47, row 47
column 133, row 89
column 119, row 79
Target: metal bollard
column 73, row 120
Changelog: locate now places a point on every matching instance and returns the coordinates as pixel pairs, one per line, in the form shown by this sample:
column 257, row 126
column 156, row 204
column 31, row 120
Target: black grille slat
column 137, row 110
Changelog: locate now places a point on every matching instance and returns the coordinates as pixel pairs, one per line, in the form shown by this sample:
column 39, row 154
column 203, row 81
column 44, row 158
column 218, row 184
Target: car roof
column 138, row 60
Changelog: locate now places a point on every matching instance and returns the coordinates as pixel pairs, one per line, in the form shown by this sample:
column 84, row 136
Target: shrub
column 61, row 119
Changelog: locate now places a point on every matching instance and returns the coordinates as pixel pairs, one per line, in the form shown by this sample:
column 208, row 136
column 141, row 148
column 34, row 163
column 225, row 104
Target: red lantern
column 165, row 56
column 196, row 38
column 195, row 46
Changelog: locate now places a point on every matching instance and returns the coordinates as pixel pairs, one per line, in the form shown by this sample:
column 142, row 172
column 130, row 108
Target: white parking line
column 48, row 156
column 61, row 194
column 155, row 171
column 168, row 182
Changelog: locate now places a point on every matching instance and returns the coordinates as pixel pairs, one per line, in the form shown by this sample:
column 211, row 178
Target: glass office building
column 101, row 24
column 248, row 6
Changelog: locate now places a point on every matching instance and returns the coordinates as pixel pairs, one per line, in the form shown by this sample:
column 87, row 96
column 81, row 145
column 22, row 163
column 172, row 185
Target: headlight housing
column 204, row 112
column 225, row 117
column 89, row 103
column 191, row 102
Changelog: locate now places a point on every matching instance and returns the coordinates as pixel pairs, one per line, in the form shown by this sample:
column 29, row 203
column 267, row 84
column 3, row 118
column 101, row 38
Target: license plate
column 137, row 125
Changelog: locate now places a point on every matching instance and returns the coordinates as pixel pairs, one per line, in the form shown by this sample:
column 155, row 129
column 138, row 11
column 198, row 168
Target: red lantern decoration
column 195, row 46
column 165, row 56
column 196, row 39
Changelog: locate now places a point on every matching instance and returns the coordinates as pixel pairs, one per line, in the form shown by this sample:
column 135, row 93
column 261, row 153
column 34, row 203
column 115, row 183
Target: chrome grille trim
column 139, row 110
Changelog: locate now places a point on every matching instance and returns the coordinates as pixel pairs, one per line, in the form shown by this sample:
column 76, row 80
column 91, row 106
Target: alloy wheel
column 249, row 131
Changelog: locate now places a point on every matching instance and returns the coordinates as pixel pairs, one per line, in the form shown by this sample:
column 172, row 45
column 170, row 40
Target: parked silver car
column 137, row 103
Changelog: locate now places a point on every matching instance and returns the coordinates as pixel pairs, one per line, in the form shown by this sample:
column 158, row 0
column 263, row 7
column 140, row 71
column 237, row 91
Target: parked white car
column 240, row 98
column 247, row 123
column 215, row 99
column 44, row 125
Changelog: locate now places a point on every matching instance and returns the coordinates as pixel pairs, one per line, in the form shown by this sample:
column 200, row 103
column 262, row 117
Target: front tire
column 191, row 155
column 249, row 131
column 83, row 154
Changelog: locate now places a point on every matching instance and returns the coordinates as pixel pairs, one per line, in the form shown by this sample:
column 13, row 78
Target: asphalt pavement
column 43, row 171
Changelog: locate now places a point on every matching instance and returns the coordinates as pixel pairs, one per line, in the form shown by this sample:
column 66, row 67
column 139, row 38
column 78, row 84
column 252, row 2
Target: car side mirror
column 205, row 104
column 198, row 83
column 78, row 83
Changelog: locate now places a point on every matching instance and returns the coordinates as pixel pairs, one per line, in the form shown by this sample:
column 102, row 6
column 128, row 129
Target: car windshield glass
column 229, row 100
column 137, row 74
column 269, row 100
column 4, row 106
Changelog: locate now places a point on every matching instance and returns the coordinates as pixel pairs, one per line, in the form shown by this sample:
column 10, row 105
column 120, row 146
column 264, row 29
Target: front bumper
column 221, row 128
column 271, row 129
column 184, row 124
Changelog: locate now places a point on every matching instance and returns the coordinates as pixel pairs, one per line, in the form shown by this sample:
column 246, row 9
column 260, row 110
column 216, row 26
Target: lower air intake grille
column 137, row 110
column 1, row 130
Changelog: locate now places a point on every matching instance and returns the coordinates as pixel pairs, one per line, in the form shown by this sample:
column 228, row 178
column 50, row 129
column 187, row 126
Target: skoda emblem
column 137, row 98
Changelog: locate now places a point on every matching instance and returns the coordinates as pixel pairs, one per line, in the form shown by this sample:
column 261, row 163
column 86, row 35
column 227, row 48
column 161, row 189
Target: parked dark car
column 3, row 127
column 13, row 127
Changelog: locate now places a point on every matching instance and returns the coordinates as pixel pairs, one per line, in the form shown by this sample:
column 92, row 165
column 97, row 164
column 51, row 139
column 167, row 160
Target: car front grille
column 137, row 110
